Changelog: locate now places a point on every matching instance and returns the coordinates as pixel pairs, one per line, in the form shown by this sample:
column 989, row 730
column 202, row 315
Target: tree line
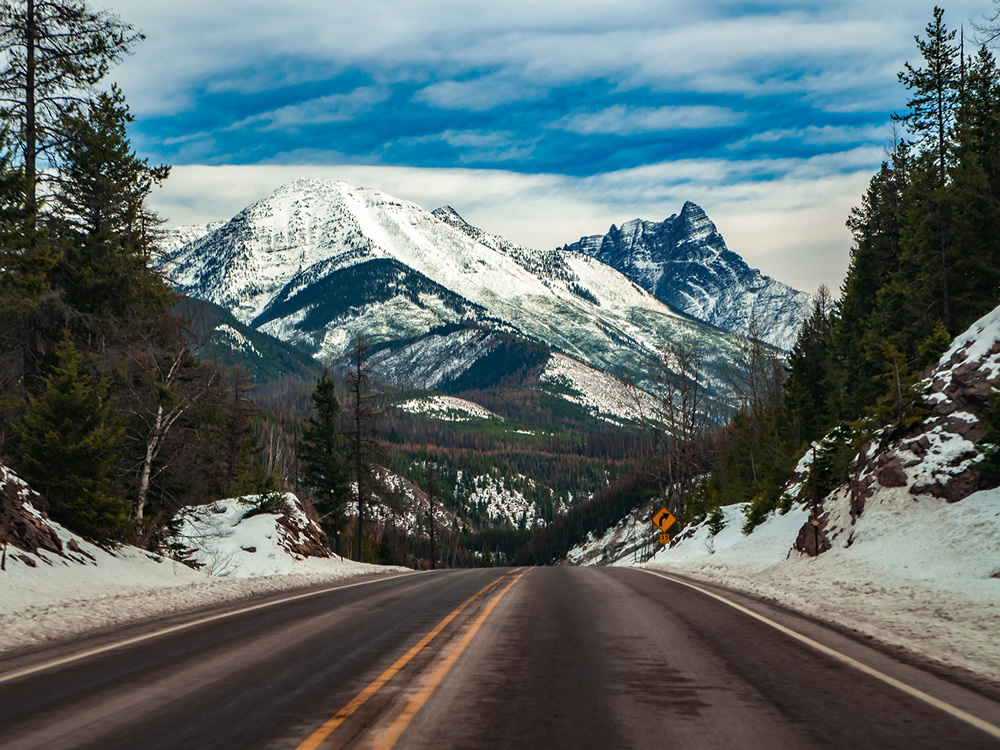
column 924, row 265
column 104, row 409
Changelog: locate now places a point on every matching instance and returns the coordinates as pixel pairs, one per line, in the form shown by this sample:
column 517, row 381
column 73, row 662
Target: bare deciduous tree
column 362, row 411
column 682, row 394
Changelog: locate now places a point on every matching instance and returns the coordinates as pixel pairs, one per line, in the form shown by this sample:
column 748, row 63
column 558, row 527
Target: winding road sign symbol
column 664, row 519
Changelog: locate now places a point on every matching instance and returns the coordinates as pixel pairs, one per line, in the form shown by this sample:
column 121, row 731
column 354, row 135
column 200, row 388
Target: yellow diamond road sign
column 664, row 519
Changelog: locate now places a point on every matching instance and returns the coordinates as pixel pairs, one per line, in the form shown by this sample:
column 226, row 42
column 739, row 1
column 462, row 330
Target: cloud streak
column 539, row 116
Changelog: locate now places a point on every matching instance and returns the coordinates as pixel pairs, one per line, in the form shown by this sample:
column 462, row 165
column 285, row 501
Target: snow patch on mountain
column 501, row 501
column 435, row 359
column 235, row 340
column 172, row 239
column 276, row 264
column 448, row 409
column 602, row 394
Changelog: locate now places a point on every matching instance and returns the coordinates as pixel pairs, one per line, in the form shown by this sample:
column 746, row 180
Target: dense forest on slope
column 104, row 408
column 924, row 265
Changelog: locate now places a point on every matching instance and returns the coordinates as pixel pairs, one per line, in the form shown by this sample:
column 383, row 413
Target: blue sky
column 539, row 123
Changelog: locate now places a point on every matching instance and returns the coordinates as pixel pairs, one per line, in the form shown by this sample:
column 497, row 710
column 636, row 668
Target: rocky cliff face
column 684, row 261
column 22, row 525
column 933, row 459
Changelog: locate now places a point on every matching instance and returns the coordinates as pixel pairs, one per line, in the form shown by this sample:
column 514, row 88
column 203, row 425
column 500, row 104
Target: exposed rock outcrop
column 683, row 260
column 936, row 457
column 22, row 524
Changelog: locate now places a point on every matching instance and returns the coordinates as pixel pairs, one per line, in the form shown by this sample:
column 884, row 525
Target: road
column 493, row 658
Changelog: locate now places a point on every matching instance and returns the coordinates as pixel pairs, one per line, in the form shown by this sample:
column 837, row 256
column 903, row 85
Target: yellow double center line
column 403, row 720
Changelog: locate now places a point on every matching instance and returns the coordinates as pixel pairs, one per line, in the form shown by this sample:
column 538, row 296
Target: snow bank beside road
column 47, row 597
column 921, row 574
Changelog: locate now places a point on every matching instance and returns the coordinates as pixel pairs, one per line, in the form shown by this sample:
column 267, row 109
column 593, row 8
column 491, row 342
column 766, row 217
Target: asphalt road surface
column 499, row 658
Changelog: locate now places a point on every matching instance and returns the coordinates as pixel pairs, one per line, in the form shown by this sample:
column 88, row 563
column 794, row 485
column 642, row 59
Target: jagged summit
column 684, row 261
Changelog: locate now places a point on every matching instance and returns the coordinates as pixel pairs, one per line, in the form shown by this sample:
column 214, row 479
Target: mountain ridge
column 298, row 264
column 685, row 262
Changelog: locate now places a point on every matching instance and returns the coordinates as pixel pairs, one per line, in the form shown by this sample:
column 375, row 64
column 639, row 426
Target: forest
column 116, row 408
column 924, row 265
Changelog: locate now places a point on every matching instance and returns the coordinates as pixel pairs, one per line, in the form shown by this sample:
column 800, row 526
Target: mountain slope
column 318, row 261
column 219, row 336
column 684, row 262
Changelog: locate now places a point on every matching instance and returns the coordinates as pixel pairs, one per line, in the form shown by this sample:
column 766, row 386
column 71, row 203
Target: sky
column 539, row 122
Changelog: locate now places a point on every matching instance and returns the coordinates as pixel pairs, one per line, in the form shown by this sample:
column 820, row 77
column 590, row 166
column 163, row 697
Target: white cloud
column 711, row 46
column 332, row 108
column 624, row 120
column 479, row 94
column 476, row 145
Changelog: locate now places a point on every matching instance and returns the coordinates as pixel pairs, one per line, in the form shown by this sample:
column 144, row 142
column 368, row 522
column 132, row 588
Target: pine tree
column 23, row 288
column 69, row 436
column 809, row 365
column 320, row 454
column 932, row 108
column 108, row 232
column 975, row 185
column 363, row 448
column 56, row 52
column 433, row 490
column 874, row 260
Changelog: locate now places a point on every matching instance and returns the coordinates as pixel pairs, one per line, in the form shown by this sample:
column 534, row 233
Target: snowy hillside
column 684, row 261
column 235, row 538
column 173, row 238
column 55, row 584
column 318, row 261
column 908, row 550
column 448, row 409
column 604, row 395
column 922, row 576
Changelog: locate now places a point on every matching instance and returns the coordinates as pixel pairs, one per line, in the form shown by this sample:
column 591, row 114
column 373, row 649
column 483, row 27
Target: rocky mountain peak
column 684, row 261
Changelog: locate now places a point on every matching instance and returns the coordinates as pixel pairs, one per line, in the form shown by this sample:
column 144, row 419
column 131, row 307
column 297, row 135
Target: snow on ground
column 921, row 574
column 503, row 502
column 448, row 409
column 604, row 395
column 228, row 540
column 46, row 597
column 632, row 540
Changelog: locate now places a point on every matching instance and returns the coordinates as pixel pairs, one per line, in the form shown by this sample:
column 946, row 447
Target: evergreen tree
column 108, row 232
column 56, row 51
column 809, row 365
column 433, row 490
column 975, row 186
column 932, row 108
column 363, row 447
column 320, row 454
column 874, row 260
column 23, row 288
column 68, row 440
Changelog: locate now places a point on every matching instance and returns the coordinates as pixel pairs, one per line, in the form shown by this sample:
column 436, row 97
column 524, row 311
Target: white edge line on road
column 183, row 626
column 985, row 726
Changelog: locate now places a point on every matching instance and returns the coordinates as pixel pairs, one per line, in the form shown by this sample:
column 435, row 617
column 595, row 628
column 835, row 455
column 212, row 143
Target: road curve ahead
column 501, row 658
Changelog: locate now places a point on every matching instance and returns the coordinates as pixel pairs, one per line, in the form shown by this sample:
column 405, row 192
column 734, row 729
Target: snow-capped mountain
column 318, row 261
column 684, row 262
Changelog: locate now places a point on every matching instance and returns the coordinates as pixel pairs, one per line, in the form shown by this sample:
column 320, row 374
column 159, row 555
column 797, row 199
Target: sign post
column 663, row 521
